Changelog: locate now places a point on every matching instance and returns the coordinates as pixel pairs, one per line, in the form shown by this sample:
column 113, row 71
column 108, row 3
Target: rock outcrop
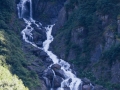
column 89, row 45
column 47, row 11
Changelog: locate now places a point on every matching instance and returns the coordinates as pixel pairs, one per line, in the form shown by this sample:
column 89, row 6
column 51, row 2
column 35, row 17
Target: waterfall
column 71, row 80
column 19, row 10
column 22, row 9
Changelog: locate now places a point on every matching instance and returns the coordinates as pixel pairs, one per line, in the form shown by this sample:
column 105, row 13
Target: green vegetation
column 11, row 56
column 90, row 15
column 14, row 74
column 9, row 81
column 98, row 18
column 112, row 55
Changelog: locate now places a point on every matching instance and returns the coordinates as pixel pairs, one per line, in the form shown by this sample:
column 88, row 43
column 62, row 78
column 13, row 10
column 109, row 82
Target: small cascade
column 23, row 9
column 19, row 10
column 54, row 76
column 31, row 9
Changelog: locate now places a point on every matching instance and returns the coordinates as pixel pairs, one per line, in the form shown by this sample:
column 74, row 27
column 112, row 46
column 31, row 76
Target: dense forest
column 86, row 34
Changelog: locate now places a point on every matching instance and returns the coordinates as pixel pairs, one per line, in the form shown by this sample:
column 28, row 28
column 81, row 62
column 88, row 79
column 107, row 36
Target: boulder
column 37, row 36
column 43, row 54
column 39, row 43
column 51, row 79
column 33, row 25
column 47, row 82
column 49, row 74
column 86, row 81
column 39, row 33
column 40, row 30
column 59, row 73
column 86, row 87
column 56, row 66
column 57, row 81
column 48, row 60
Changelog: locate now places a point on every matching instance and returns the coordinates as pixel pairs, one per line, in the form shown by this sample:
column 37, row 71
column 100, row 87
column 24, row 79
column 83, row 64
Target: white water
column 27, row 37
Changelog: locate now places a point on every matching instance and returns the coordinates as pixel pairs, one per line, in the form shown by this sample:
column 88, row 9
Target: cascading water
column 70, row 80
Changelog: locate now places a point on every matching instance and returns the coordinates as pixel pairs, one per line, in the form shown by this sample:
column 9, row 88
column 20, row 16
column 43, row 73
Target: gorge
column 59, row 44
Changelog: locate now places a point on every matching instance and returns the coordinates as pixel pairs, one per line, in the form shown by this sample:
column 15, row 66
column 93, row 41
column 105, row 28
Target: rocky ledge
column 54, row 75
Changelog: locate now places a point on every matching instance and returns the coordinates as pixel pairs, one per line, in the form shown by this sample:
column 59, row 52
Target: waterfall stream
column 27, row 37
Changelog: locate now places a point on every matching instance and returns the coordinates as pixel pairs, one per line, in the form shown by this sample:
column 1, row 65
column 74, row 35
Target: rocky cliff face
column 46, row 11
column 90, row 44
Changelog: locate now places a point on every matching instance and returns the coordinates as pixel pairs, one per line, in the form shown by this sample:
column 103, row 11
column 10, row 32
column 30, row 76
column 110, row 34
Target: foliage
column 112, row 54
column 90, row 14
column 13, row 64
column 9, row 81
column 15, row 59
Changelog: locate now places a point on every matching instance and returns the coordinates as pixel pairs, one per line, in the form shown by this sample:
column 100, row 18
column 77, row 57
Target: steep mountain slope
column 89, row 39
column 14, row 73
column 21, row 61
column 46, row 11
column 87, row 35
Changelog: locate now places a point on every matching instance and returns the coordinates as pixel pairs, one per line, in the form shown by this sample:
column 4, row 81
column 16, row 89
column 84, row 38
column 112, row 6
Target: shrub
column 9, row 81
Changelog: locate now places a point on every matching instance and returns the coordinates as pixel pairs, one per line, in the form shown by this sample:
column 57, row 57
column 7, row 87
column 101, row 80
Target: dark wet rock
column 36, row 51
column 37, row 66
column 56, row 66
column 70, row 80
column 40, row 30
column 43, row 54
column 37, row 22
column 57, row 81
column 33, row 25
column 49, row 74
column 39, row 43
column 51, row 78
column 48, row 60
column 39, row 36
column 66, row 88
column 47, row 82
column 59, row 73
column 39, row 33
column 39, row 53
column 86, row 87
column 29, row 28
column 86, row 81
